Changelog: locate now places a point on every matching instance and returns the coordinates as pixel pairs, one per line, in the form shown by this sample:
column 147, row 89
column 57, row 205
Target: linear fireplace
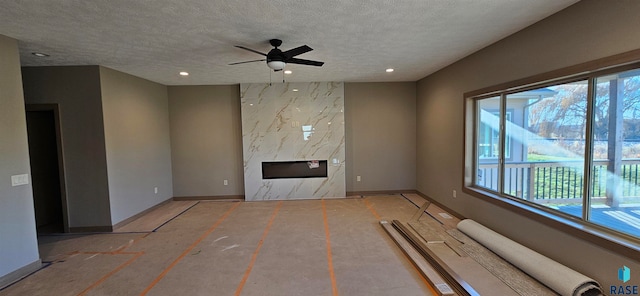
column 294, row 169
column 284, row 127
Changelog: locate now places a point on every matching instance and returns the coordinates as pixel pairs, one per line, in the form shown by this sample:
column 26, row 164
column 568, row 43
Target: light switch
column 17, row 180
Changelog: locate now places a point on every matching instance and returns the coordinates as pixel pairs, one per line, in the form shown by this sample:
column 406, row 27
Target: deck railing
column 558, row 182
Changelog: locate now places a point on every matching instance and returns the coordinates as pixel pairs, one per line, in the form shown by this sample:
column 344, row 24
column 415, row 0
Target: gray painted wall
column 77, row 91
column 586, row 31
column 380, row 121
column 206, row 140
column 136, row 129
column 18, row 243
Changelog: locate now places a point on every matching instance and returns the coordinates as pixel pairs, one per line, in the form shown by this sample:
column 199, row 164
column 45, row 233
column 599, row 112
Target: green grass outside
column 542, row 158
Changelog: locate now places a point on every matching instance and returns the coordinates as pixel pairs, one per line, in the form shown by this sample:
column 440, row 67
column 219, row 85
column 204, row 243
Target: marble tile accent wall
column 293, row 121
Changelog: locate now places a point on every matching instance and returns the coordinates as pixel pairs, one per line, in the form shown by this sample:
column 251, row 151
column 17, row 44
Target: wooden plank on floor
column 436, row 234
column 448, row 221
column 417, row 200
column 457, row 283
column 157, row 217
column 429, row 234
column 436, row 281
column 420, row 211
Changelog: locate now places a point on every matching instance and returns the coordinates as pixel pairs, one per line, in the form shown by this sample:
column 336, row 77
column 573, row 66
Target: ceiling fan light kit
column 277, row 59
column 276, row 65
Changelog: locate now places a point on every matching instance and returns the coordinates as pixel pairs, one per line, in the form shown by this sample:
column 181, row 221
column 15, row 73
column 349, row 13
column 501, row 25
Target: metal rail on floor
column 459, row 285
column 437, row 283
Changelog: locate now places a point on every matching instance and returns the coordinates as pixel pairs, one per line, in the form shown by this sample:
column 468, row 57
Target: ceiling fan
column 278, row 59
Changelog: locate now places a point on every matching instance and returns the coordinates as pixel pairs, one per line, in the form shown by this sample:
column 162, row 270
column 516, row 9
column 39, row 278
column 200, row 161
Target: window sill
column 618, row 243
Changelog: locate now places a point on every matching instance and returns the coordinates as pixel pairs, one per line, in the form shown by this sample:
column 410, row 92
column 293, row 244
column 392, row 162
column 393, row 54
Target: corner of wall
column 137, row 143
column 18, row 241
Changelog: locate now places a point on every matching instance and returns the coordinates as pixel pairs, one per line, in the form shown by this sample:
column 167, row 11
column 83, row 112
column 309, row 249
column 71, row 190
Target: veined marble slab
column 293, row 121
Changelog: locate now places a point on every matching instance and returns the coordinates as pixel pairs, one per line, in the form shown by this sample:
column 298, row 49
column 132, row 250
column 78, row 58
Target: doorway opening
column 47, row 168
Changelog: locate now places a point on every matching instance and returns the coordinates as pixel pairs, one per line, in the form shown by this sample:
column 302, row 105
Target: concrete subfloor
column 306, row 247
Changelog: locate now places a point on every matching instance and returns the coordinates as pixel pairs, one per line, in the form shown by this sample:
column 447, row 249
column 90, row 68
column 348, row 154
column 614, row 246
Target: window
column 549, row 170
column 614, row 200
column 489, row 136
column 570, row 148
column 488, row 142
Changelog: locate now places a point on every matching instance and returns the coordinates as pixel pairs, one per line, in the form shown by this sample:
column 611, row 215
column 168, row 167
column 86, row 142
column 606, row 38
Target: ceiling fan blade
column 262, row 60
column 296, row 51
column 251, row 50
column 305, row 62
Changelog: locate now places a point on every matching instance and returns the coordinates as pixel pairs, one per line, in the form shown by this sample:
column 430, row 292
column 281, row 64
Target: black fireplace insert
column 294, row 169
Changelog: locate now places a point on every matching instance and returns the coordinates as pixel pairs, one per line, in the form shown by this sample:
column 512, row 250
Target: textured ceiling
column 357, row 39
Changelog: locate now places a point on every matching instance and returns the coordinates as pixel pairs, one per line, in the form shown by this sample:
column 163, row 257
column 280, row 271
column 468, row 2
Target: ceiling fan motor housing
column 275, row 55
column 275, row 58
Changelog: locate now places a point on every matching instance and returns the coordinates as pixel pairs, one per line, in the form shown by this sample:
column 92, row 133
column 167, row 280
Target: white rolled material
column 554, row 275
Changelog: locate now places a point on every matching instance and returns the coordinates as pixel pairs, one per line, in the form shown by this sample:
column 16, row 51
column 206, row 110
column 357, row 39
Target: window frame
column 621, row 243
column 509, row 147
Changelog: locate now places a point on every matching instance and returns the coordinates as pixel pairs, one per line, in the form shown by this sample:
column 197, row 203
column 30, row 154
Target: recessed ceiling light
column 287, row 72
column 184, row 73
column 389, row 70
column 40, row 55
column 295, row 89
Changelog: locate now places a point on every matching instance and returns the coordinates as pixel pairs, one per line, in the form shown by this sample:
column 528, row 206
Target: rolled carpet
column 554, row 275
